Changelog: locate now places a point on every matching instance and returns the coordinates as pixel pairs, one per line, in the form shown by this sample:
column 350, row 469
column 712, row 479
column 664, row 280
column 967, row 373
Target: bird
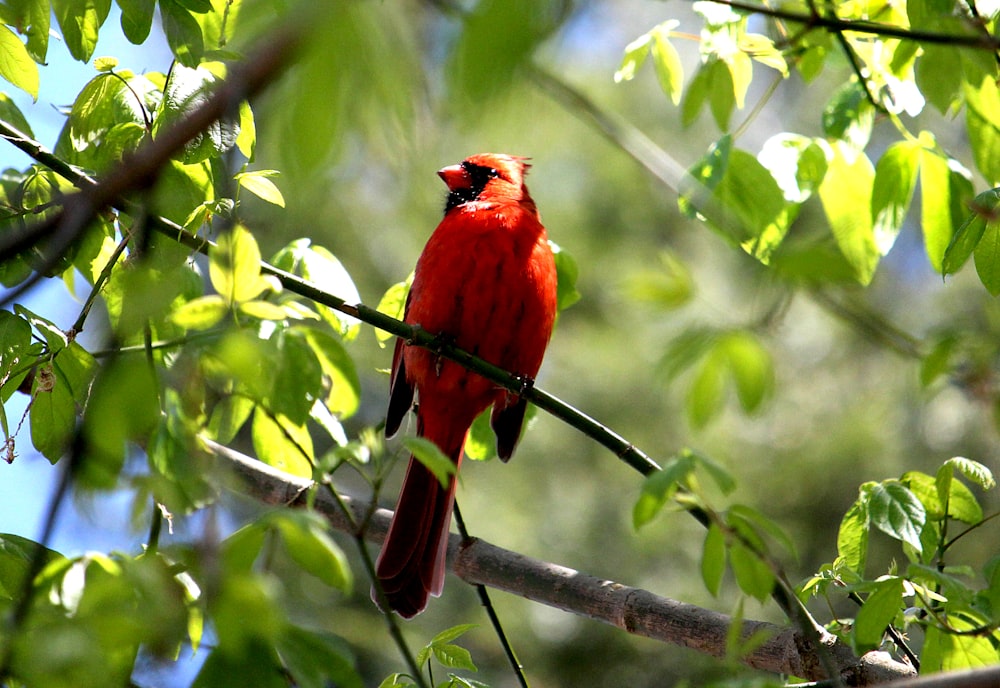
column 486, row 283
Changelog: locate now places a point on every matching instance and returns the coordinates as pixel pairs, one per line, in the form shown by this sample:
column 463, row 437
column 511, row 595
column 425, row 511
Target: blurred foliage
column 781, row 366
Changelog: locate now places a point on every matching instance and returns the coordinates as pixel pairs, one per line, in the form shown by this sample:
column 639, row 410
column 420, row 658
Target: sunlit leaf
column 234, row 266
column 666, row 60
column 283, row 444
column 852, row 537
column 258, row 183
column 635, row 54
column 846, row 197
column 983, row 125
column 849, row 116
column 183, row 33
column 344, row 386
column 892, row 191
column 16, row 65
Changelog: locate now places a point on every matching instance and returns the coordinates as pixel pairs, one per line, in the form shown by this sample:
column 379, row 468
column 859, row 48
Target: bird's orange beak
column 455, row 177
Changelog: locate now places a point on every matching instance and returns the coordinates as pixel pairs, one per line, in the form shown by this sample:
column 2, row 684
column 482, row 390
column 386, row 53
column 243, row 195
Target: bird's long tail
column 411, row 565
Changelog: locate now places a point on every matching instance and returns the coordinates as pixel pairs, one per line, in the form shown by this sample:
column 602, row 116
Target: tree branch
column 634, row 610
column 836, row 24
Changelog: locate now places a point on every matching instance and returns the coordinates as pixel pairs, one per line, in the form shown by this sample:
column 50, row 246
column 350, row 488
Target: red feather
column 486, row 280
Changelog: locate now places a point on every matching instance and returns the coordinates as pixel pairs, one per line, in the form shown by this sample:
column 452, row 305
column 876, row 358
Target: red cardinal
column 486, row 282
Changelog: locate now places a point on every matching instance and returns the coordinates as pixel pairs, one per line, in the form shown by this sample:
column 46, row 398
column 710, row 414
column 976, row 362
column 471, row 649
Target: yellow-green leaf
column 846, row 197
column 234, row 266
column 260, row 186
column 16, row 65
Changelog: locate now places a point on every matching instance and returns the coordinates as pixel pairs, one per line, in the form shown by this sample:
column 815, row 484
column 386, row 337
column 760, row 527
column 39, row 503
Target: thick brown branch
column 631, row 609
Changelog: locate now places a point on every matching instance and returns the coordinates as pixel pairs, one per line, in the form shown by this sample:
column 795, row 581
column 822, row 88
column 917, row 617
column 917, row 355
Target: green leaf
column 685, row 350
column 944, row 651
column 447, row 654
column 282, row 443
column 667, row 61
column 751, row 368
column 202, row 313
column 762, row 49
column 393, row 304
column 57, row 391
column 137, row 18
column 753, row 524
column 433, row 459
column 878, row 611
column 246, row 141
column 945, row 193
column 974, row 471
column 229, row 668
column 896, row 511
column 635, row 55
column 669, row 287
column 707, row 391
column 935, row 75
column 343, row 394
column 228, row 416
column 16, row 352
column 987, row 257
column 31, row 18
column 741, row 73
column 846, row 197
column 187, row 90
column 297, row 374
column 317, row 265
column 80, row 22
column 234, row 266
column 892, row 191
column 10, row 114
column 16, row 556
column 713, row 559
column 259, row 185
column 797, row 163
column 566, row 274
column 985, row 209
column 723, row 93
column 496, row 38
column 479, row 443
column 307, row 539
column 754, row 576
column 983, row 125
column 180, row 189
column 849, row 116
column 852, row 537
column 659, row 487
column 16, row 65
column 183, row 33
column 127, row 383
column 316, row 659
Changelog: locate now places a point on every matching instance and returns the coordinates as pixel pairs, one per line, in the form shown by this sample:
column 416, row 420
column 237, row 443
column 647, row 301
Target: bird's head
column 486, row 177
